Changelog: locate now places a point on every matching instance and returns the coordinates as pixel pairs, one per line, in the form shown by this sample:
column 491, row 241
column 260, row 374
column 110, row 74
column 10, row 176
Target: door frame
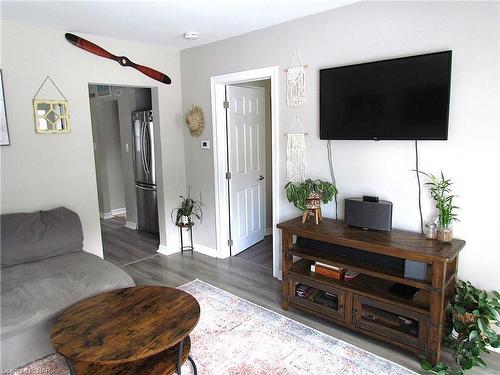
column 217, row 90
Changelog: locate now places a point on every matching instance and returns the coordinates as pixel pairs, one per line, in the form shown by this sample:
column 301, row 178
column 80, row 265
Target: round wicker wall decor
column 195, row 121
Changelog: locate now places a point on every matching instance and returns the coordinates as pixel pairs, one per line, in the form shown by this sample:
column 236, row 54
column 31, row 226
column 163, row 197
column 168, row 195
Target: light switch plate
column 205, row 143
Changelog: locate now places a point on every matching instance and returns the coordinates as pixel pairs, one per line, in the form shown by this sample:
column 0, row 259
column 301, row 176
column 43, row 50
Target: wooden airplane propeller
column 122, row 60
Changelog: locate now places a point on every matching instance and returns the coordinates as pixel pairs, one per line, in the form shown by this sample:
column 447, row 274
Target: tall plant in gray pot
column 440, row 189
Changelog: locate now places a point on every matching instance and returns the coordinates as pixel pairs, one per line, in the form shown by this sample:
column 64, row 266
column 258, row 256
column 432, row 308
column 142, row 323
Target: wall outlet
column 205, row 143
column 126, row 147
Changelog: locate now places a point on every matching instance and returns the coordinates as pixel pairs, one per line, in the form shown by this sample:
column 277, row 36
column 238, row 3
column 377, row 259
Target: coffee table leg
column 179, row 357
column 195, row 370
column 71, row 367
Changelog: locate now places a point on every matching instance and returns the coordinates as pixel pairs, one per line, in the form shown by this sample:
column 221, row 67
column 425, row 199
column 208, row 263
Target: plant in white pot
column 189, row 207
column 441, row 193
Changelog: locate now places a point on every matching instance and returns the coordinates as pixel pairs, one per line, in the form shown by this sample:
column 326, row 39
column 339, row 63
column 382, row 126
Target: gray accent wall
column 362, row 32
column 108, row 155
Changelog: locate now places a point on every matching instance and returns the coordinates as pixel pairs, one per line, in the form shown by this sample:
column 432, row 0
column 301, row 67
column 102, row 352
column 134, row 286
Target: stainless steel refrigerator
column 144, row 169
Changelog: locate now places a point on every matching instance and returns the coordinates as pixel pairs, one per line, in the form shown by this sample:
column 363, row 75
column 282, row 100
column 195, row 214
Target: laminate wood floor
column 123, row 245
column 260, row 254
column 255, row 283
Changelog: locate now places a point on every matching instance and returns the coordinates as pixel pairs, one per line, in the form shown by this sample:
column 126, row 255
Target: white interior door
column 246, row 141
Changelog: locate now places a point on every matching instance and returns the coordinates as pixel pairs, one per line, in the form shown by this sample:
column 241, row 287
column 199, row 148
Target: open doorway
column 246, row 180
column 122, row 128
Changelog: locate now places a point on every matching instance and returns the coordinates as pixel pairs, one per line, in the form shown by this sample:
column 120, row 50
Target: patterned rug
column 237, row 337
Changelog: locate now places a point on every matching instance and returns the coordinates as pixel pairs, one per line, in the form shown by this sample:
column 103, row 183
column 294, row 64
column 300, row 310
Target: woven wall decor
column 195, row 121
column 296, row 153
column 296, row 82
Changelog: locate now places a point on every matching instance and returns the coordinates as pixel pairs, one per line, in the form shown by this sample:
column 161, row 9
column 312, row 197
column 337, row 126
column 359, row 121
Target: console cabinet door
column 391, row 322
column 323, row 299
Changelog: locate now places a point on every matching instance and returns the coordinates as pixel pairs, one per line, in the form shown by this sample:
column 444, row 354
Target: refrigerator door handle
column 143, row 150
column 147, row 148
column 145, row 188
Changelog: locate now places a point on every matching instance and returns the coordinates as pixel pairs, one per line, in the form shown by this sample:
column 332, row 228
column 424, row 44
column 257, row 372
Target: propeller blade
column 151, row 73
column 89, row 46
column 122, row 60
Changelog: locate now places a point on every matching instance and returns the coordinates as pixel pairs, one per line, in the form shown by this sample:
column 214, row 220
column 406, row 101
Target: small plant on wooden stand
column 189, row 207
column 471, row 313
column 306, row 196
column 441, row 193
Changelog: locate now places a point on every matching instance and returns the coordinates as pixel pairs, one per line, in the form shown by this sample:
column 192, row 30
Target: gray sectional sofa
column 44, row 270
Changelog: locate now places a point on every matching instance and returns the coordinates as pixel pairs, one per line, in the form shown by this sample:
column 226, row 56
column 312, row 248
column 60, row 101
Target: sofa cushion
column 37, row 291
column 28, row 237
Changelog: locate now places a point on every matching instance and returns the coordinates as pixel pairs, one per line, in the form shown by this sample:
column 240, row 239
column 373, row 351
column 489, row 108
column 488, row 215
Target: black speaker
column 368, row 214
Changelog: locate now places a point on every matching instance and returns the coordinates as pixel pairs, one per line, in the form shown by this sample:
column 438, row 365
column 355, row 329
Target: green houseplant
column 298, row 193
column 471, row 314
column 188, row 208
column 440, row 190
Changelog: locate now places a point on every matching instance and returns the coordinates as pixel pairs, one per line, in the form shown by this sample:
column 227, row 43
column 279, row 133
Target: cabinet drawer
column 318, row 297
column 390, row 321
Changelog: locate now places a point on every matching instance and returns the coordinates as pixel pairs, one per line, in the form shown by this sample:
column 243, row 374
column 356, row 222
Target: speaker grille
column 369, row 215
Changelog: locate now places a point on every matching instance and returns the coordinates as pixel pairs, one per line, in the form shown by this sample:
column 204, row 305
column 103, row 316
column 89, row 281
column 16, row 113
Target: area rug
column 237, row 337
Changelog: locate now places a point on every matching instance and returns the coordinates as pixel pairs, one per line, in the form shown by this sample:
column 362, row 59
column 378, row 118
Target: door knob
column 261, row 178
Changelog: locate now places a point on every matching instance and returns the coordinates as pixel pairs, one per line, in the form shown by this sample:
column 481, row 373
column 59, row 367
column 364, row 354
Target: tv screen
column 399, row 99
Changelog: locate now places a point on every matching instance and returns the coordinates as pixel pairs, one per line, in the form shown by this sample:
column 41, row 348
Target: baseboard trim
column 162, row 249
column 105, row 215
column 131, row 225
column 119, row 211
column 268, row 231
column 205, row 250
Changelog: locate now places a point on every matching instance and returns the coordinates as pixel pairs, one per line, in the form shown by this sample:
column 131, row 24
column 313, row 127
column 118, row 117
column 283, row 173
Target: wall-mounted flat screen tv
column 399, row 99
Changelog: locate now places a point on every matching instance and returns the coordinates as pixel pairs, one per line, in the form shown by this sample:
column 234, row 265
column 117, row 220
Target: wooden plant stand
column 316, row 212
column 189, row 227
column 365, row 304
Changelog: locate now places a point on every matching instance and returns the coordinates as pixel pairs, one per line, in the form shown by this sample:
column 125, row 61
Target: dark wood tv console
column 365, row 303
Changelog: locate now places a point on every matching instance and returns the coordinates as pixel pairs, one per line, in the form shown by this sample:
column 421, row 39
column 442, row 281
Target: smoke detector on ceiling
column 191, row 35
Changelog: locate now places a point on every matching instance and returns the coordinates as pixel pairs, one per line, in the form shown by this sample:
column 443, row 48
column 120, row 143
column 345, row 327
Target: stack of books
column 328, row 270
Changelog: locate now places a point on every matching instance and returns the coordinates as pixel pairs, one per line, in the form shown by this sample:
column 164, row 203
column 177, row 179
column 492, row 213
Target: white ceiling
column 163, row 22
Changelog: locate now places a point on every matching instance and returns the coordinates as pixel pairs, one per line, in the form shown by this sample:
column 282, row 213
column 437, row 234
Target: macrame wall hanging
column 295, row 82
column 296, row 153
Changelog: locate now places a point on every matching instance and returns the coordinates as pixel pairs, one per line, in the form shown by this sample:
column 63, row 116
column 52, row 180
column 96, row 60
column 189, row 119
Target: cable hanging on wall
column 417, row 172
column 332, row 173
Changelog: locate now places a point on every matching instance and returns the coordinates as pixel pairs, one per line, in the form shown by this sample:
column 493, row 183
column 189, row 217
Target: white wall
column 369, row 31
column 44, row 171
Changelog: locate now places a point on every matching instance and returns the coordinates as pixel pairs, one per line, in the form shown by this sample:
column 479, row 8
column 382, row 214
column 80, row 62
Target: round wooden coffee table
column 138, row 330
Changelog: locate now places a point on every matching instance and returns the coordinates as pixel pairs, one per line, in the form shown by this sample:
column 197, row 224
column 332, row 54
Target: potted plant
column 189, row 207
column 441, row 193
column 471, row 314
column 309, row 192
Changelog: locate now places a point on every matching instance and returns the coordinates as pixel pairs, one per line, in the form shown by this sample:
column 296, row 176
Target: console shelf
column 364, row 284
column 365, row 303
column 358, row 266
